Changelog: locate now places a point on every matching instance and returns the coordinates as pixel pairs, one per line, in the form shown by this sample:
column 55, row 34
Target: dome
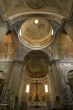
column 36, row 33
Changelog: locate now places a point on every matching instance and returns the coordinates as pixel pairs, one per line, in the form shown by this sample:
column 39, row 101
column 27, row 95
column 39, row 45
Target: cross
column 36, row 83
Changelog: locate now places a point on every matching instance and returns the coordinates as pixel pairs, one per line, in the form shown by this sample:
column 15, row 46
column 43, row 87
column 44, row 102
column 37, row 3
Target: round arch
column 70, row 79
column 63, row 46
column 36, row 62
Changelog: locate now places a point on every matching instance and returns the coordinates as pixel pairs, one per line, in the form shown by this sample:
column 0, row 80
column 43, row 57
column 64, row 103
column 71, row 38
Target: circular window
column 36, row 33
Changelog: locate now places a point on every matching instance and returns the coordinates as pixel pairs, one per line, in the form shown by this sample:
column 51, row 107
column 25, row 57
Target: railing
column 69, row 106
column 3, row 106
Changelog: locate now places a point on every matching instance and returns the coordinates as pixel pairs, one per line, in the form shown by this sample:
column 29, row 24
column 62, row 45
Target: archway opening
column 70, row 79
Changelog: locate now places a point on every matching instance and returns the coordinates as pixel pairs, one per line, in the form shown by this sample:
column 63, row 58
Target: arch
column 63, row 46
column 2, row 79
column 32, row 60
column 36, row 64
column 70, row 79
column 2, row 74
column 36, row 54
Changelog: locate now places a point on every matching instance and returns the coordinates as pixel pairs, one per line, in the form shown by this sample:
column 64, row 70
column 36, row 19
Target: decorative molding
column 36, row 4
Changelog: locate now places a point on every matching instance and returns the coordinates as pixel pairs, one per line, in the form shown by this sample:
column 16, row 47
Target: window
column 27, row 88
column 46, row 88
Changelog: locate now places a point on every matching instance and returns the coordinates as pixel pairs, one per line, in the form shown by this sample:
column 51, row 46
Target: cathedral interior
column 36, row 54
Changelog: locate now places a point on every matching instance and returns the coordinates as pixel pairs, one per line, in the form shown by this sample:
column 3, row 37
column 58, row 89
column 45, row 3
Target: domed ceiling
column 36, row 64
column 37, row 68
column 36, row 33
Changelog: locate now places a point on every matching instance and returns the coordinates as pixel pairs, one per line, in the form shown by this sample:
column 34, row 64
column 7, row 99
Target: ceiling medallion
column 36, row 33
column 36, row 4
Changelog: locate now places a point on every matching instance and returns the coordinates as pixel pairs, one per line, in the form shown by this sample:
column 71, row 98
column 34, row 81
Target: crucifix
column 36, row 97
